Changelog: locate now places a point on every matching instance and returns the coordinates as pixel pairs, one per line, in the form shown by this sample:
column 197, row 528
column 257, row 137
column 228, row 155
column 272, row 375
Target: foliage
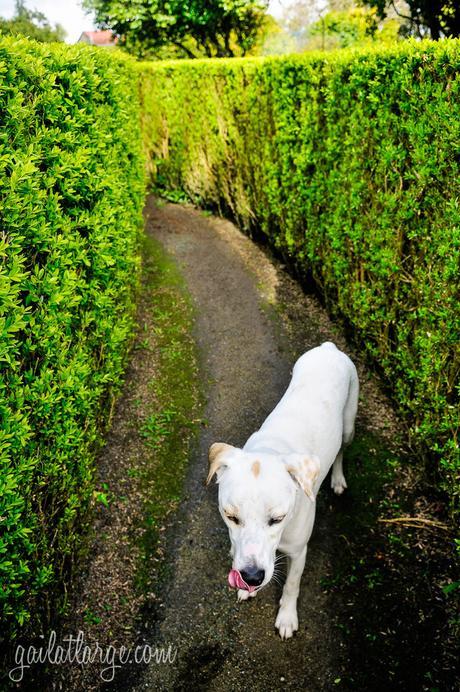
column 347, row 163
column 356, row 26
column 306, row 25
column 434, row 18
column 72, row 192
column 31, row 23
column 298, row 16
column 194, row 27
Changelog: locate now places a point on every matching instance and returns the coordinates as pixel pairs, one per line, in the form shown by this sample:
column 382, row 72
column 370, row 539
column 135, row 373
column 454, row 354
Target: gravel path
column 247, row 357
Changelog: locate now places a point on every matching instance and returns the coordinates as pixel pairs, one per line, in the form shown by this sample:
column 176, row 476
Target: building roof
column 98, row 38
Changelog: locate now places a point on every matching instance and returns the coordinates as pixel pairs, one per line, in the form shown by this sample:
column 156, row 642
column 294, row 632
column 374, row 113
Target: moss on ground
column 169, row 426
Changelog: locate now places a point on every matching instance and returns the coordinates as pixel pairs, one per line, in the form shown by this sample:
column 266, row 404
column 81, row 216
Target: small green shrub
column 72, row 189
column 348, row 162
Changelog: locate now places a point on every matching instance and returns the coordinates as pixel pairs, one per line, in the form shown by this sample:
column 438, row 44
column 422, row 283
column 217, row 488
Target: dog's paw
column 287, row 622
column 243, row 595
column 338, row 484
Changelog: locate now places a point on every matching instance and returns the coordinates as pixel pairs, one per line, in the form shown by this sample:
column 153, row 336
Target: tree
column 299, row 15
column 31, row 23
column 434, row 18
column 218, row 28
column 356, row 26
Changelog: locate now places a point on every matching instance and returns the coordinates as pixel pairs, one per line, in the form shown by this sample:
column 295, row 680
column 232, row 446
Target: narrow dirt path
column 247, row 358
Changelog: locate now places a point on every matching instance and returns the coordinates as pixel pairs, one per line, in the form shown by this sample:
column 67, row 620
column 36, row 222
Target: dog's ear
column 218, row 457
column 304, row 469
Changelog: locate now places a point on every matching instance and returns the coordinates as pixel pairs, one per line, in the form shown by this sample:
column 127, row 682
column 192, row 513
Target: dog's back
column 318, row 409
column 329, row 374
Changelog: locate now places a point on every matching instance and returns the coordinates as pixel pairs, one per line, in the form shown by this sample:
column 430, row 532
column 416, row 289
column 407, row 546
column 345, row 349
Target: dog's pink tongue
column 233, row 577
column 236, row 581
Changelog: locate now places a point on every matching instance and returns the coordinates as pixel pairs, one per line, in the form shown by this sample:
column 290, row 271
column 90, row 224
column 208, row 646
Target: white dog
column 267, row 489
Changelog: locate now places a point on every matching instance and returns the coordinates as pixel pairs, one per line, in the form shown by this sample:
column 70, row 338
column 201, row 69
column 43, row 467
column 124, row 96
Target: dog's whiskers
column 277, row 577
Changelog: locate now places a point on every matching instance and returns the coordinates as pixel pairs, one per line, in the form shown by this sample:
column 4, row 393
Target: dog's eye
column 275, row 520
column 233, row 518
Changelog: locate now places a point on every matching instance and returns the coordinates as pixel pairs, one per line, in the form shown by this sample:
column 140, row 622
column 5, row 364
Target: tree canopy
column 433, row 18
column 352, row 27
column 222, row 28
column 31, row 23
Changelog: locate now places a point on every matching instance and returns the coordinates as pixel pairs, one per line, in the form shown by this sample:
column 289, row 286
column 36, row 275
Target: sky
column 70, row 15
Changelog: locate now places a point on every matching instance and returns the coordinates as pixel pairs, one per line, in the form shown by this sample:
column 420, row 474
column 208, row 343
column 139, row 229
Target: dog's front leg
column 286, row 621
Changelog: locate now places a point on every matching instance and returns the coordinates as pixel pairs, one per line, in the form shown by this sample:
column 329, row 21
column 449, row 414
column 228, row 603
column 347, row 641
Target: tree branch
column 403, row 16
column 186, row 50
column 413, row 521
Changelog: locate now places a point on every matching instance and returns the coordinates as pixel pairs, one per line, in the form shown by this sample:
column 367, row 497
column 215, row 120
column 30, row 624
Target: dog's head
column 257, row 496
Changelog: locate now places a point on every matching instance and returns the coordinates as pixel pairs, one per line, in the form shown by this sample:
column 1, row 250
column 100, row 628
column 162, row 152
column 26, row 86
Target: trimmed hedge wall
column 72, row 191
column 349, row 164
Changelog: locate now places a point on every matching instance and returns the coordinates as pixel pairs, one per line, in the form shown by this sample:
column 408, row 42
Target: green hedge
column 72, row 189
column 348, row 163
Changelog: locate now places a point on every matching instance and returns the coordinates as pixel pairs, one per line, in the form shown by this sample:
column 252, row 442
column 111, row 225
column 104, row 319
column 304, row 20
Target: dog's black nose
column 253, row 576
